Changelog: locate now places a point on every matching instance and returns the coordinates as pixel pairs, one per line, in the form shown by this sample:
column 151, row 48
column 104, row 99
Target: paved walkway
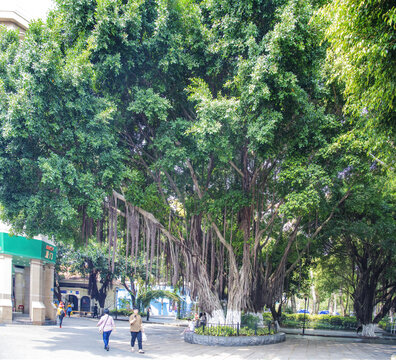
column 79, row 339
column 381, row 335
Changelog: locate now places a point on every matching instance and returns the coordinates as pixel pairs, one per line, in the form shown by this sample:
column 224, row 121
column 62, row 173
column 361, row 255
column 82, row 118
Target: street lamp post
column 116, row 300
column 305, row 309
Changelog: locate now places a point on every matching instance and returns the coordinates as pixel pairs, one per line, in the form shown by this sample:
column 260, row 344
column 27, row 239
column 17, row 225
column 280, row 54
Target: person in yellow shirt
column 61, row 313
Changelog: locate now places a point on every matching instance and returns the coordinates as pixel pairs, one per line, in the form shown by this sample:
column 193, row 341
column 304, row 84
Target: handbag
column 102, row 327
column 144, row 337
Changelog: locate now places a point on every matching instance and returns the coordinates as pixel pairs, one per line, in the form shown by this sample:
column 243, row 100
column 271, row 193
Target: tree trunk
column 342, row 305
column 57, row 289
column 131, row 291
column 237, row 294
column 217, row 317
column 335, row 304
column 364, row 298
column 331, row 304
column 293, row 303
column 368, row 330
column 240, row 281
column 277, row 316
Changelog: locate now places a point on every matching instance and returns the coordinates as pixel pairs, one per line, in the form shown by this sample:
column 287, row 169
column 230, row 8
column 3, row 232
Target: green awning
column 23, row 248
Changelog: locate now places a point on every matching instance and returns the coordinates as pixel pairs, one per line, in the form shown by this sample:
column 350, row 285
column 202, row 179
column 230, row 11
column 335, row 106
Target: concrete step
column 24, row 319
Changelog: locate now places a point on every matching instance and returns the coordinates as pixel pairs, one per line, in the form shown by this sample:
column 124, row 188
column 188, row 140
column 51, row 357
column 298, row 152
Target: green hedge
column 232, row 331
column 125, row 312
column 385, row 324
column 324, row 322
column 330, row 322
column 267, row 316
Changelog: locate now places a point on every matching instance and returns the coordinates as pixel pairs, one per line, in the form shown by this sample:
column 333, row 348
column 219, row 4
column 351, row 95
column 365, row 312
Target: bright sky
column 31, row 9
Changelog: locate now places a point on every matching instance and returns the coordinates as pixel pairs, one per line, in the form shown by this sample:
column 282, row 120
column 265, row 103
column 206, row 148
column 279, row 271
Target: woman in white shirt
column 106, row 326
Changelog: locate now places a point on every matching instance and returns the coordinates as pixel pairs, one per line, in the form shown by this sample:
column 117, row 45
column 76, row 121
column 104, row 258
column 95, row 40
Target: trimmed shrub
column 328, row 322
column 249, row 320
column 232, row 331
column 267, row 316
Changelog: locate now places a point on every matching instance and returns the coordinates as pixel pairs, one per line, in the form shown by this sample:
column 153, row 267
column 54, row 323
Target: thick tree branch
column 237, row 169
column 195, row 179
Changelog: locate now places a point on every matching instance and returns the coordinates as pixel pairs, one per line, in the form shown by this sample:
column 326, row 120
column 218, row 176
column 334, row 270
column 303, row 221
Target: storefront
column 26, row 277
column 75, row 292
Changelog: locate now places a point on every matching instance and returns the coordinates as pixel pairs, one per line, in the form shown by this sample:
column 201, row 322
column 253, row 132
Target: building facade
column 14, row 20
column 74, row 291
column 26, row 277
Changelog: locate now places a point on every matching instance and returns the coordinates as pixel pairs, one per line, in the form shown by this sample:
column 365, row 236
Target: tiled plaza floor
column 79, row 339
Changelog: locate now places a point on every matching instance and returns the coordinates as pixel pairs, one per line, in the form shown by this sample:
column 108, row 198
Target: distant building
column 74, row 290
column 13, row 19
column 26, row 277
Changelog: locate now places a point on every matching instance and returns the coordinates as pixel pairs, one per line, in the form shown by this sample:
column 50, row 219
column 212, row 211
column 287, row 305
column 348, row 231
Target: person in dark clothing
column 202, row 321
column 95, row 311
column 148, row 313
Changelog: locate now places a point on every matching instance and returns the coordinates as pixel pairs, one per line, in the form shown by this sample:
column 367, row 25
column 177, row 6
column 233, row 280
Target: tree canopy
column 203, row 137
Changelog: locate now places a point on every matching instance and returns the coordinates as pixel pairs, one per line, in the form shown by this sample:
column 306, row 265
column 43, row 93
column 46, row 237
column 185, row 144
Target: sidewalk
column 382, row 336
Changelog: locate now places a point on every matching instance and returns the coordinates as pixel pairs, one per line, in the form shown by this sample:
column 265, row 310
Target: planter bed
column 193, row 338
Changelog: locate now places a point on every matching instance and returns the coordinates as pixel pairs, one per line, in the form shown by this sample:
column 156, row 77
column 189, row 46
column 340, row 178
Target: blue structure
column 159, row 307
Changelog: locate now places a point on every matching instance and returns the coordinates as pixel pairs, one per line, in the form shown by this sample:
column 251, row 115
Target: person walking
column 61, row 313
column 196, row 320
column 69, row 310
column 202, row 321
column 106, row 326
column 148, row 313
column 136, row 328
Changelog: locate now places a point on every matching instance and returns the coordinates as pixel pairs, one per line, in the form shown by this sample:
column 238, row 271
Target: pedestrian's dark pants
column 61, row 319
column 137, row 335
column 106, row 337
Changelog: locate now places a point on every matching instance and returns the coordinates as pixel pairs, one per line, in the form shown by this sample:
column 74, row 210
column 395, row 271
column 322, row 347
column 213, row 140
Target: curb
column 368, row 340
column 229, row 341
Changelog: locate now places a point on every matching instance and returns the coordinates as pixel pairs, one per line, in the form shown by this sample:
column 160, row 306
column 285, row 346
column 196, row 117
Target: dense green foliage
column 93, row 263
column 324, row 322
column 362, row 50
column 58, row 153
column 362, row 58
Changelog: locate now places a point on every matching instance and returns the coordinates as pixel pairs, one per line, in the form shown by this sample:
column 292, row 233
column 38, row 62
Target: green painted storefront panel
column 27, row 248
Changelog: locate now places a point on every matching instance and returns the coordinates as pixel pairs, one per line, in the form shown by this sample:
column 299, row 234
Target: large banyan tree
column 192, row 132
